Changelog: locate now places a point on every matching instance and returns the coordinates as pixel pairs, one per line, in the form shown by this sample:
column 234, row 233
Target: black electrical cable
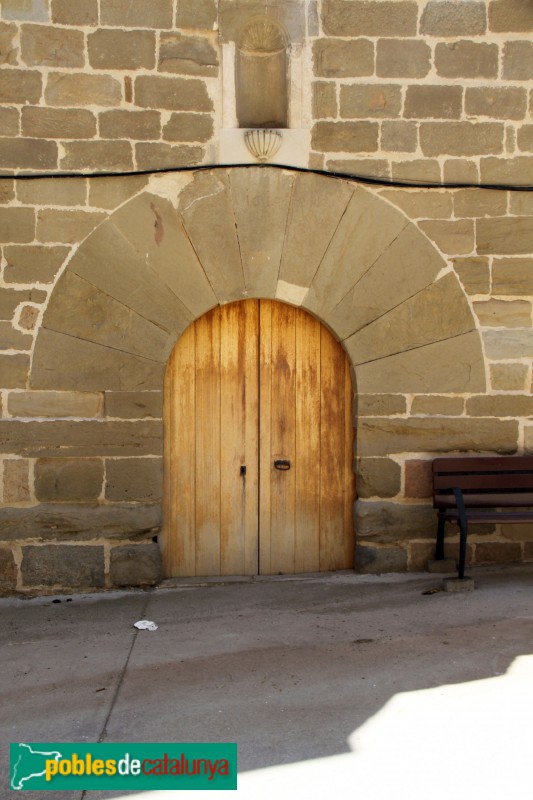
column 365, row 179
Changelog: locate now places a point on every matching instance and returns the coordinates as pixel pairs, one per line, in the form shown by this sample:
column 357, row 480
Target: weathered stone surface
column 417, row 169
column 16, row 480
column 8, row 45
column 504, row 102
column 515, row 171
column 528, row 551
column 55, row 225
column 311, row 225
column 17, row 224
column 367, row 228
column 81, row 89
column 20, row 86
column 152, row 156
column 474, row 274
column 68, row 479
column 383, row 522
column 13, row 339
column 324, row 99
column 137, row 13
column 108, row 245
column 136, row 565
column 8, row 571
column 436, row 404
column 197, row 14
column 509, row 377
column 505, row 235
column 444, row 102
column 347, row 137
column 35, row 10
column 134, row 479
column 188, row 128
column 112, row 49
column 512, row 16
column 518, row 533
column 497, row 552
column 509, row 343
column 380, row 405
column 111, row 192
column 187, row 55
column 499, row 406
column 175, row 94
column 11, row 298
column 261, row 234
column 418, row 478
column 75, row 12
column 379, row 436
column 9, row 126
column 81, row 310
column 447, row 18
column 362, row 18
column 525, row 138
column 58, row 123
column 460, row 170
column 528, row 432
column 379, row 560
column 119, row 124
column 62, row 565
column 395, row 332
column 33, row 263
column 49, row 46
column 461, row 138
column 343, row 59
column 156, row 231
column 205, row 204
column 399, row 136
column 134, row 405
column 134, row 521
column 27, row 317
column 63, row 362
column 28, row 154
column 518, row 61
column 49, row 191
column 112, row 156
column 402, row 58
column 7, row 191
column 365, row 167
column 85, row 439
column 373, row 100
column 14, row 370
column 420, row 204
column 378, row 477
column 479, row 203
column 451, row 236
column 55, row 404
column 466, row 59
column 503, row 313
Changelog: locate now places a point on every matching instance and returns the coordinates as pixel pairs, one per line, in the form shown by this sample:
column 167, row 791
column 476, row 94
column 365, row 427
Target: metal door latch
column 282, row 464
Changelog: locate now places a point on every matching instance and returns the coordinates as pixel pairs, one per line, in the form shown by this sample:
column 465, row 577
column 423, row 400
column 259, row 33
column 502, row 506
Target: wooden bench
column 484, row 489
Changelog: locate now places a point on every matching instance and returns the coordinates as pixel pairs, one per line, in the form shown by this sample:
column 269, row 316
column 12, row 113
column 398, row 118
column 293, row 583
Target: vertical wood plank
column 208, row 444
column 265, row 433
column 307, row 454
column 283, row 439
column 179, row 552
column 238, row 421
column 332, row 447
column 349, row 476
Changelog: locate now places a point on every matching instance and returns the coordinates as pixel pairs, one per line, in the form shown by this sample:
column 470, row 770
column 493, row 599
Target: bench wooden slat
column 514, row 480
column 490, row 500
column 477, row 463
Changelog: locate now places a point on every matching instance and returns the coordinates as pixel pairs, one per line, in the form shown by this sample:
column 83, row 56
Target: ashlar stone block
column 347, row 137
column 387, row 522
column 8, row 570
column 518, row 60
column 58, row 123
column 378, row 477
column 499, row 406
column 505, row 235
column 82, row 89
column 102, row 156
column 75, row 12
column 451, row 236
column 363, row 18
column 380, row 560
column 187, row 55
column 33, row 263
column 79, row 567
column 50, row 46
column 402, row 58
column 174, row 94
column 34, row 10
column 474, row 274
column 373, row 100
column 503, row 102
column 188, row 127
column 508, row 377
column 467, row 59
column 423, row 102
column 112, row 49
column 20, row 86
column 58, row 225
column 49, row 191
column 134, row 405
column 461, row 138
column 24, row 153
column 55, row 404
column 447, row 18
column 343, row 58
column 155, row 155
column 16, row 480
column 137, row 13
column 136, row 565
column 510, row 16
column 502, row 344
column 134, row 479
column 68, row 479
column 196, row 14
column 503, row 313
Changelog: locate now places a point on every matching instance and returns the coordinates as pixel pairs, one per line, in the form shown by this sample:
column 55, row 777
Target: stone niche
column 261, row 75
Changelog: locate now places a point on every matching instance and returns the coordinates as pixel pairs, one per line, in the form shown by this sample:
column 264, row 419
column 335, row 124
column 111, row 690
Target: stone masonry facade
column 429, row 289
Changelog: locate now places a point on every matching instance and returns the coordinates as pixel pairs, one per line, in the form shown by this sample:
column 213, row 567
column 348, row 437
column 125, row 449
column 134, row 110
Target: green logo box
column 65, row 766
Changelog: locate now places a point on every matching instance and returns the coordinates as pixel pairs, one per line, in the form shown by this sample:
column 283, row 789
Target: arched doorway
column 258, row 445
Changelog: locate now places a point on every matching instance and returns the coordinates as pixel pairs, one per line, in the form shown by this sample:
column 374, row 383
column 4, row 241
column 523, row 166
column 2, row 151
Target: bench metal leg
column 463, row 530
column 439, row 549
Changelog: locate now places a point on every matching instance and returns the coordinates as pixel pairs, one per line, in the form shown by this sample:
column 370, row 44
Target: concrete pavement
column 363, row 683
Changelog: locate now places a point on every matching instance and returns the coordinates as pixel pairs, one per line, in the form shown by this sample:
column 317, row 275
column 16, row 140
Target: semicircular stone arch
column 332, row 247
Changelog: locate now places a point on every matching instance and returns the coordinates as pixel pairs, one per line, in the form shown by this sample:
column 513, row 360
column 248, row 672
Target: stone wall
column 430, row 91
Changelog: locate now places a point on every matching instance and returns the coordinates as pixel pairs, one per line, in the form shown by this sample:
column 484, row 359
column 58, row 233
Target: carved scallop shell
column 262, row 36
column 263, row 143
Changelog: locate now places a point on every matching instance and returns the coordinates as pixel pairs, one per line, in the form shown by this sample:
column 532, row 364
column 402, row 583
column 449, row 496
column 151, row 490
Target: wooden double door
column 258, row 445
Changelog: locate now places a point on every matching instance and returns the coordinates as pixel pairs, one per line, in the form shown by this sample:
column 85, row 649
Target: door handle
column 282, row 463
